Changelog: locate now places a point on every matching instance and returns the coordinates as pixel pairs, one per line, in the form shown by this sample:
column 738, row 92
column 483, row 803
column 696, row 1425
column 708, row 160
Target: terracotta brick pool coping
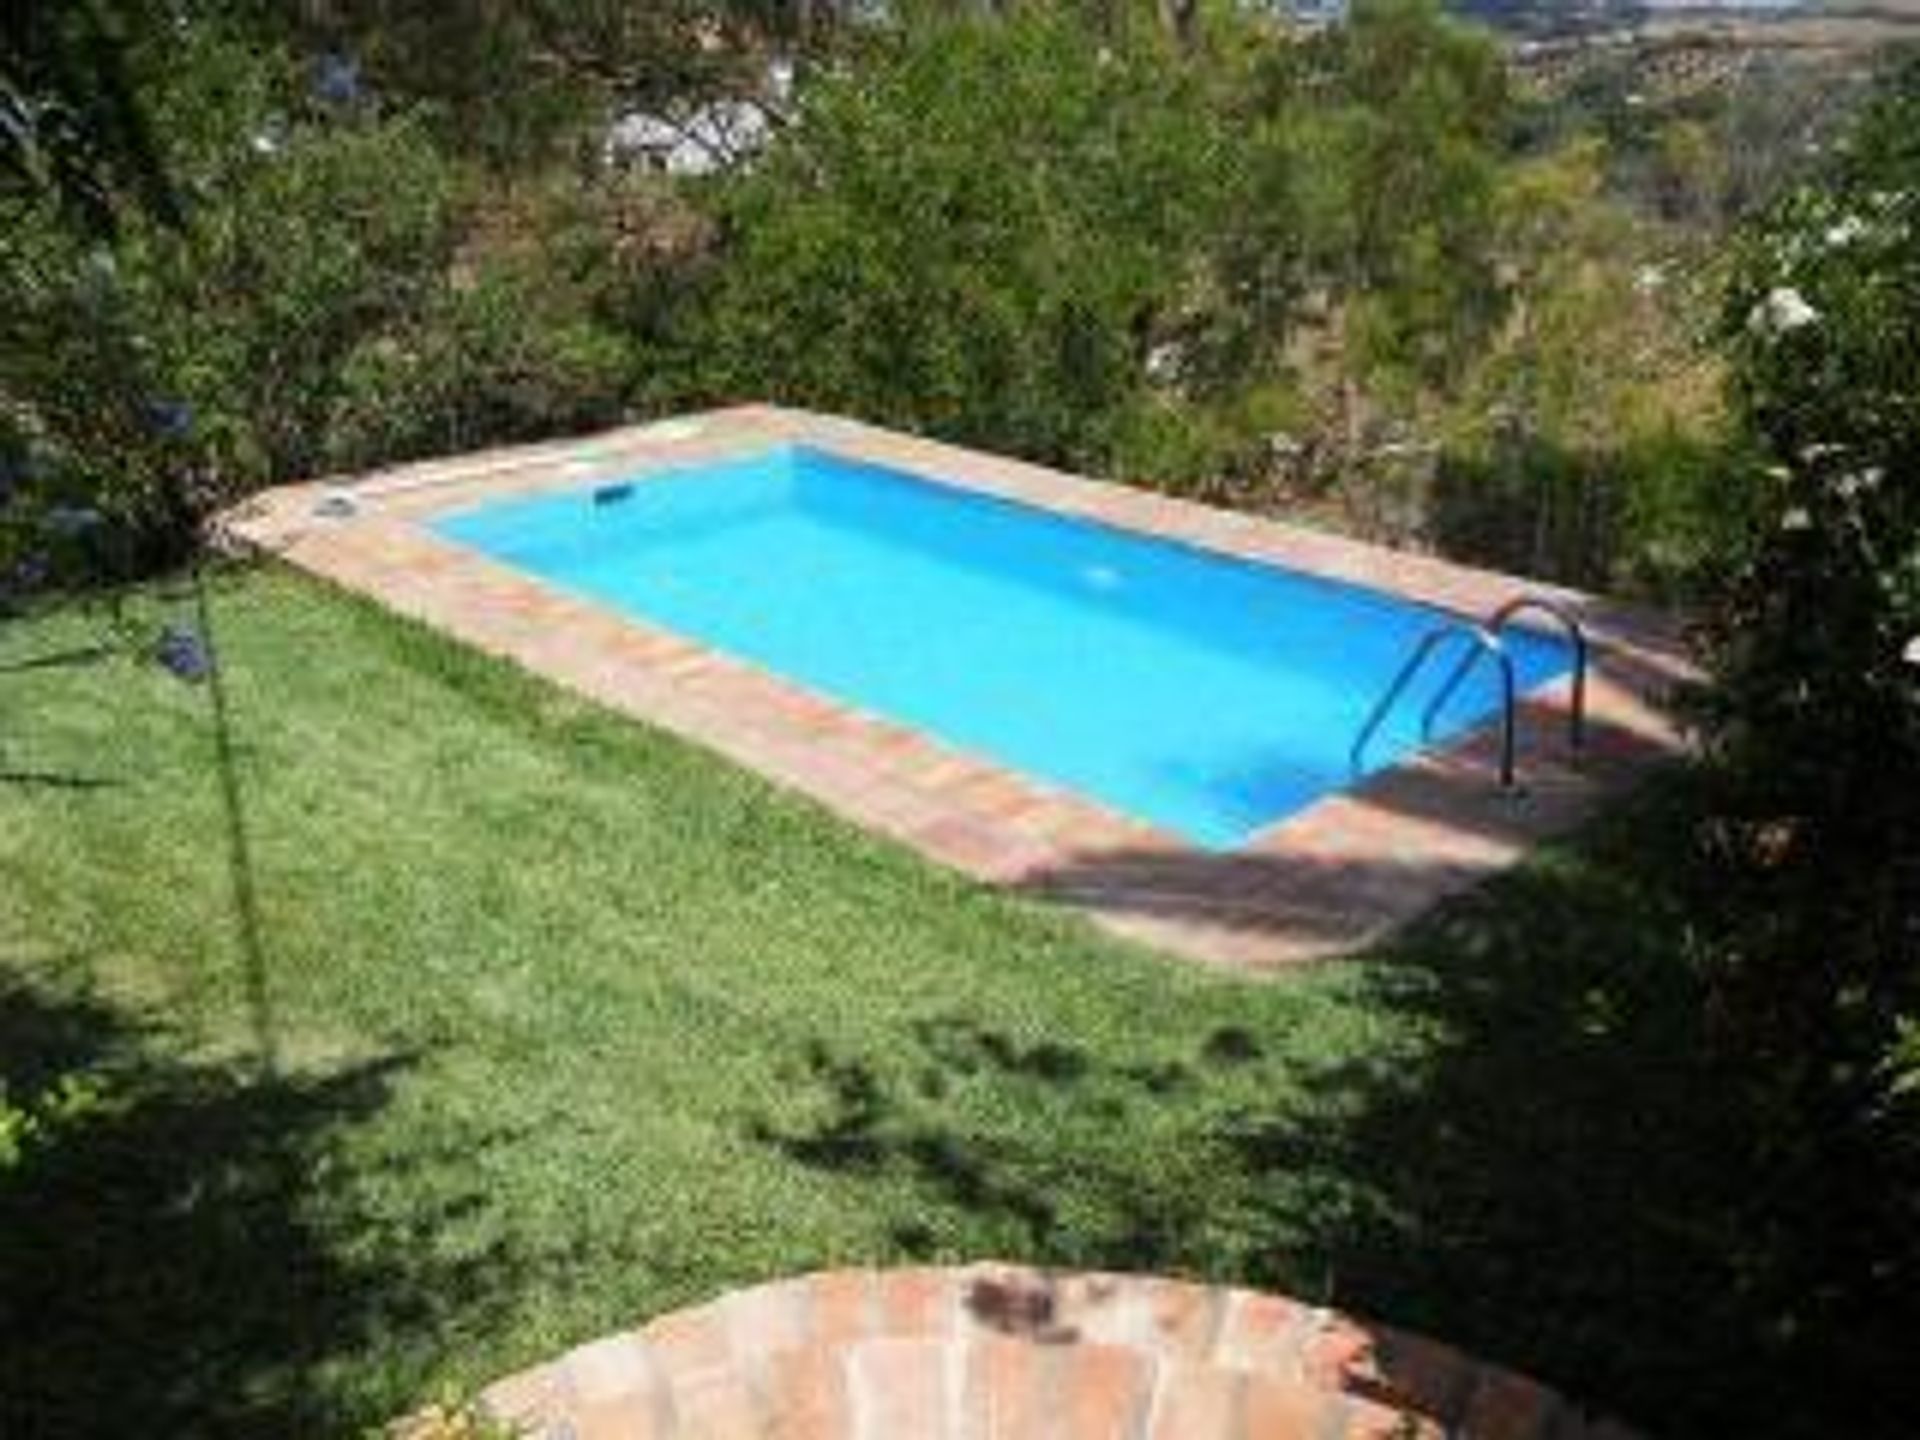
column 1329, row 879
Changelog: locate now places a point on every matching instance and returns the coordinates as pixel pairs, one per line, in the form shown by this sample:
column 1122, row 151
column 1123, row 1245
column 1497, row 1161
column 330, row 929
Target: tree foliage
column 516, row 83
column 1397, row 119
column 1168, row 246
column 1583, row 444
column 212, row 349
column 977, row 233
column 319, row 301
column 70, row 124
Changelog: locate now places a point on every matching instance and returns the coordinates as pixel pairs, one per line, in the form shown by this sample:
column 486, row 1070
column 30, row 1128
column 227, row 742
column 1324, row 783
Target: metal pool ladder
column 1483, row 638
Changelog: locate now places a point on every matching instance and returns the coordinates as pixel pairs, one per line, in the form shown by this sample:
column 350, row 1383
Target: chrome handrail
column 1483, row 641
column 1495, row 624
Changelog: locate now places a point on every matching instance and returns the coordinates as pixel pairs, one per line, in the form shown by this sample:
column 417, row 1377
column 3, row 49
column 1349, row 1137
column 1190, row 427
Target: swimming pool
column 1208, row 696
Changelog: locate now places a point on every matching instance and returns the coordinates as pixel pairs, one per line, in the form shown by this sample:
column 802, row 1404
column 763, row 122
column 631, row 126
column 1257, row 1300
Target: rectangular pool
column 1201, row 694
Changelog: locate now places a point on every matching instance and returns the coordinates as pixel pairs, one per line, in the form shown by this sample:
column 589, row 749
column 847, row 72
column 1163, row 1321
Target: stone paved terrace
column 999, row 1352
column 1325, row 881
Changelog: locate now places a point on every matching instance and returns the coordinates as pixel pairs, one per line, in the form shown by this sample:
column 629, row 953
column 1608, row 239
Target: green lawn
column 439, row 1020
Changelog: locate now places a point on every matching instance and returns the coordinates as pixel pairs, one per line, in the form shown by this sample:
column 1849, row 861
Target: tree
column 518, row 83
column 71, row 126
column 1399, row 116
column 320, row 300
column 975, row 233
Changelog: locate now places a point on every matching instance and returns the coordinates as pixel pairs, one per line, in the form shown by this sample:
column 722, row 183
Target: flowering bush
column 1818, row 703
column 1813, row 720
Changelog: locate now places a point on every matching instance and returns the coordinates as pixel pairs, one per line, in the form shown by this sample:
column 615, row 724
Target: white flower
column 1164, row 363
column 1912, row 653
column 265, row 142
column 1846, row 232
column 1649, row 278
column 1796, row 519
column 1784, row 310
column 1853, row 483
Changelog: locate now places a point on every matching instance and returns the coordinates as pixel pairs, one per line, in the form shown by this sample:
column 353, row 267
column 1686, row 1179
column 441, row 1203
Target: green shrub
column 482, row 365
column 341, row 292
column 181, row 365
column 1587, row 442
column 1391, row 125
column 977, row 233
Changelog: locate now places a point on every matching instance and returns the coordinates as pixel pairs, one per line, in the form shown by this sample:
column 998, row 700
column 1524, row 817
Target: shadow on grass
column 59, row 659
column 56, row 780
column 165, row 1269
column 1556, row 1182
column 38, row 779
column 241, row 871
column 1538, row 1161
column 874, row 1125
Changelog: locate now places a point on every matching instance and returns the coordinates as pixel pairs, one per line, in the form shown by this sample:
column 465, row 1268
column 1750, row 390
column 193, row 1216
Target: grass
column 438, row 1021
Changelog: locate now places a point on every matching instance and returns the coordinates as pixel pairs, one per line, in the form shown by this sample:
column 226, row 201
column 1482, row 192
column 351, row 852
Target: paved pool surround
column 1326, row 880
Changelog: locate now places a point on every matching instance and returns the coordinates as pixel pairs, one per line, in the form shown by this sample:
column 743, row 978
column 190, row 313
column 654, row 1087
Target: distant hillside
column 1789, row 23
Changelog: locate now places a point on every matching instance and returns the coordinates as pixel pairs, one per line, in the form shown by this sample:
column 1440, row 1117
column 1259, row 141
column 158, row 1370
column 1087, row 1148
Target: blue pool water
column 1205, row 695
